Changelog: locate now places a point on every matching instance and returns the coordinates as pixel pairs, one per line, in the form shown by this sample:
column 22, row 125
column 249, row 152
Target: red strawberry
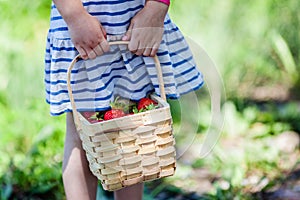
column 114, row 113
column 144, row 103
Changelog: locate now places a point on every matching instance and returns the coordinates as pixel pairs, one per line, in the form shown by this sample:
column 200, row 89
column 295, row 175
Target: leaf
column 151, row 107
column 284, row 53
column 135, row 110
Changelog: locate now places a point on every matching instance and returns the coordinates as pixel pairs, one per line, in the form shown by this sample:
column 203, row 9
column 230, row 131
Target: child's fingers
column 147, row 51
column 82, row 52
column 98, row 50
column 85, row 52
column 104, row 45
column 92, row 54
column 154, row 50
column 103, row 31
column 101, row 48
column 133, row 45
column 127, row 35
column 140, row 51
column 141, row 45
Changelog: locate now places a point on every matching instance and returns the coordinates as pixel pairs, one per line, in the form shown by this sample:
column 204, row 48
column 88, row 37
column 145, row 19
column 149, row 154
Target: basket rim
column 165, row 105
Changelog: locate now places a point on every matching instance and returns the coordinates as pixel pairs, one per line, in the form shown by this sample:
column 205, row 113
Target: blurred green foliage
column 243, row 38
column 254, row 44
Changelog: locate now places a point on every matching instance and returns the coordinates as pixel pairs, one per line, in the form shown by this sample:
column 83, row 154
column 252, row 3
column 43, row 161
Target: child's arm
column 146, row 28
column 86, row 32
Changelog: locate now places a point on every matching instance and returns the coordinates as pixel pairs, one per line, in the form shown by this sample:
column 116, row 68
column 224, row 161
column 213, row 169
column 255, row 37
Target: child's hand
column 146, row 29
column 88, row 36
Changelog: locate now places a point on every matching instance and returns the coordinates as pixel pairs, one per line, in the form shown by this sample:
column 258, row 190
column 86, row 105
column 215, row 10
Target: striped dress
column 97, row 82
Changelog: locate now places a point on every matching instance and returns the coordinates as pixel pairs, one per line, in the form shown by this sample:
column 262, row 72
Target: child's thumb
column 127, row 35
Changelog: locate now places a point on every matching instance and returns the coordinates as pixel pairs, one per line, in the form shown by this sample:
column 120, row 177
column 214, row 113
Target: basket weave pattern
column 131, row 149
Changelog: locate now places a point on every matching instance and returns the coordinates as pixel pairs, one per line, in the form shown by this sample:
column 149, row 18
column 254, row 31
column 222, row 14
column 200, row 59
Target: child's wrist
column 69, row 9
column 166, row 2
column 157, row 6
column 72, row 18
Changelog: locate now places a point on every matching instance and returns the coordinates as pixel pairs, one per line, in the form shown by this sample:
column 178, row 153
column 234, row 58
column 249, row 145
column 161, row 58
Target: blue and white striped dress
column 119, row 72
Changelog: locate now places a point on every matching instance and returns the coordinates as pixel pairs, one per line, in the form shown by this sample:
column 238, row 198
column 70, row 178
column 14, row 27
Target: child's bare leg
column 134, row 192
column 79, row 182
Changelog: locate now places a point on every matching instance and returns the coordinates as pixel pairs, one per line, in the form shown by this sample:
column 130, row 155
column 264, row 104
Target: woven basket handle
column 158, row 69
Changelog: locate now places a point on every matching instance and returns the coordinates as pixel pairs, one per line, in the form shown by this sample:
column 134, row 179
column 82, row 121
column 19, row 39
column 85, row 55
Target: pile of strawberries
column 121, row 108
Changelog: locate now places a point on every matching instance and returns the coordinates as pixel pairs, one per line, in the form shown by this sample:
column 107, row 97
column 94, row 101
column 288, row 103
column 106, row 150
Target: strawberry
column 144, row 103
column 114, row 113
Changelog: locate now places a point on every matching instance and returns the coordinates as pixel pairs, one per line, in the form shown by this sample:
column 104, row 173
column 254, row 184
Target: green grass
column 253, row 43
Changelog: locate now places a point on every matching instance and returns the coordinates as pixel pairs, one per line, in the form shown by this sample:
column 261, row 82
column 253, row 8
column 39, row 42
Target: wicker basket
column 131, row 149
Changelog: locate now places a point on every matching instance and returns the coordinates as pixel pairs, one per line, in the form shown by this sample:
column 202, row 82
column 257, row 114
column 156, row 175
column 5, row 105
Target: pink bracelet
column 167, row 2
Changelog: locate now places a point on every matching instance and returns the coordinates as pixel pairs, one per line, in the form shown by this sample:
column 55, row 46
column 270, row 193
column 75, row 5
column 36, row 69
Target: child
column 85, row 27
